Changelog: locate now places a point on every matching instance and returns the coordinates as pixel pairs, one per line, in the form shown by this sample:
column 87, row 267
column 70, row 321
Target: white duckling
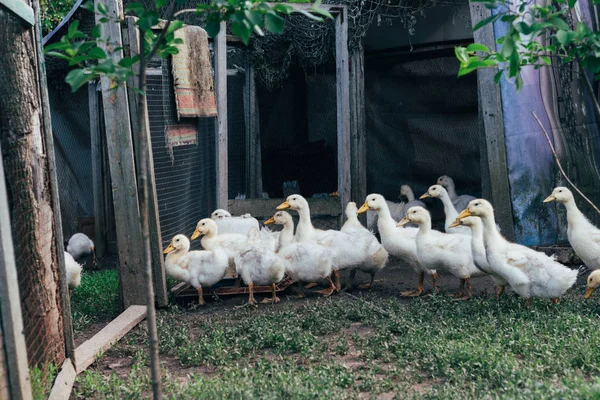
column 593, row 281
column 438, row 192
column 81, row 246
column 449, row 252
column 460, row 202
column 220, row 214
column 231, row 243
column 307, row 262
column 73, row 271
column 530, row 273
column 478, row 250
column 584, row 237
column 399, row 242
column 257, row 264
column 353, row 225
column 351, row 249
column 199, row 268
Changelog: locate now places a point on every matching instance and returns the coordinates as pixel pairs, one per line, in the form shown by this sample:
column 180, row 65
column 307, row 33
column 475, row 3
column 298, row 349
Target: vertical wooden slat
column 358, row 132
column 491, row 111
column 343, row 106
column 97, row 179
column 58, row 231
column 10, row 304
column 253, row 153
column 122, row 169
column 158, row 268
column 220, row 44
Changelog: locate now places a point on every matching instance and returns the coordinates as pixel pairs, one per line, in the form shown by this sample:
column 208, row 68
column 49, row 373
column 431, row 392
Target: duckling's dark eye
column 204, row 223
column 560, row 191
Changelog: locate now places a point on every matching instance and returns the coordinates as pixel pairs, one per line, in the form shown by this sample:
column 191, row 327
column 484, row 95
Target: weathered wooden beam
column 343, row 106
column 491, row 111
column 358, row 132
column 109, row 335
column 97, row 178
column 58, row 231
column 253, row 153
column 10, row 304
column 265, row 208
column 63, row 384
column 20, row 9
column 158, row 268
column 220, row 46
column 122, row 168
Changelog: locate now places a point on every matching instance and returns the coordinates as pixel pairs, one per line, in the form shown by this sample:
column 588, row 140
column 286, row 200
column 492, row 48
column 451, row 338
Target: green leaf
column 461, row 54
column 498, row 76
column 242, row 31
column 282, row 8
column 135, row 8
column 513, row 64
column 508, row 46
column 161, row 3
column 274, row 23
column 72, row 29
column 127, row 62
column 546, row 59
column 147, row 20
column 559, row 23
column 478, row 47
column 317, row 10
column 572, row 3
column 58, row 55
column 213, row 28
column 311, row 16
column 97, row 31
column 563, row 37
column 489, row 20
column 466, row 70
column 78, row 77
column 96, row 53
column 102, row 8
column 88, row 5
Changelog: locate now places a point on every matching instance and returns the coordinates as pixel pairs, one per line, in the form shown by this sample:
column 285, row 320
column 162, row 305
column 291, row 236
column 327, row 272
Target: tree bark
column 30, row 198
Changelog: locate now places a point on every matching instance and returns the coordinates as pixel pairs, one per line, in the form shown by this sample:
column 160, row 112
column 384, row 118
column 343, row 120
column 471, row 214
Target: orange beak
column 270, row 221
column 283, row 205
column 169, row 249
column 589, row 292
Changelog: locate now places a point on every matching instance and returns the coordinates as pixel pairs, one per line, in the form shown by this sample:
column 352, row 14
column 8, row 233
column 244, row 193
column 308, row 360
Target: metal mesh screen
column 236, row 123
column 185, row 175
column 33, row 230
column 71, row 129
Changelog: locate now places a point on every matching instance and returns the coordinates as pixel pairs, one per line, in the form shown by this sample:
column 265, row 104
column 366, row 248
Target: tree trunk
column 28, row 184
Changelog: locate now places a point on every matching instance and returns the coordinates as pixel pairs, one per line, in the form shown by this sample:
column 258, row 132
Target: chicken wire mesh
column 185, row 174
column 34, row 240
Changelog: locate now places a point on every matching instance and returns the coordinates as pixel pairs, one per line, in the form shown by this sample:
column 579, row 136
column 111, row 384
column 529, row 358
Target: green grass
column 96, row 299
column 432, row 348
column 41, row 381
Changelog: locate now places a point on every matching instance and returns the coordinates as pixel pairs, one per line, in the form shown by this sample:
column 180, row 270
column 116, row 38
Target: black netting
column 185, row 175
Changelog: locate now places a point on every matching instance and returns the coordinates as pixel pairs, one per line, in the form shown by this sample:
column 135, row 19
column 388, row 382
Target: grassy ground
column 96, row 299
column 343, row 347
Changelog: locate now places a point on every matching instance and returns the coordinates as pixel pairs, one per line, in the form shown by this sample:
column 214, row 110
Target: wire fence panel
column 185, row 172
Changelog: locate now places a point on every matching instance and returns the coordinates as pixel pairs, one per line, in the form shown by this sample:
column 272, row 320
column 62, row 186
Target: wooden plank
column 343, row 106
column 63, row 384
column 358, row 132
column 265, row 208
column 158, row 267
column 88, row 351
column 97, row 179
column 491, row 110
column 122, row 169
column 65, row 300
column 20, row 9
column 10, row 303
column 253, row 151
column 221, row 121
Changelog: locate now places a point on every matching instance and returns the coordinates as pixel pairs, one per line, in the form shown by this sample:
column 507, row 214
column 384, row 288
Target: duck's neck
column 424, row 227
column 171, row 264
column 385, row 222
column 449, row 208
column 574, row 216
column 305, row 229
column 410, row 195
column 491, row 236
column 451, row 191
column 287, row 235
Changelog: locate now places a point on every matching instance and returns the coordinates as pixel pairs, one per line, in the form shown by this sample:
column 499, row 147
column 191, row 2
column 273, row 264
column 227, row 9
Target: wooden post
column 491, row 111
column 122, row 169
column 58, row 231
column 253, row 154
column 220, row 47
column 358, row 132
column 158, row 268
column 97, row 178
column 10, row 305
column 343, row 105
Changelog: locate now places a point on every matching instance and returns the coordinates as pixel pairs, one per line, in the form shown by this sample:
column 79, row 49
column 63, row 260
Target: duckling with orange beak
column 593, row 282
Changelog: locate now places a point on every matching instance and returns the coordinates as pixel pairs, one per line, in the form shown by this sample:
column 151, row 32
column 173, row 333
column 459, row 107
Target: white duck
column 478, row 250
column 229, row 224
column 231, row 243
column 73, row 272
column 80, row 246
column 449, row 252
column 307, row 262
column 257, row 264
column 460, row 202
column 530, row 273
column 220, row 214
column 438, row 192
column 351, row 249
column 583, row 235
column 399, row 242
column 199, row 268
column 353, row 225
column 397, row 210
column 593, row 281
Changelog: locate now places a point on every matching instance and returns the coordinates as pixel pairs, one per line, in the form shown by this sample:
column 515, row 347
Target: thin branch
column 562, row 171
column 185, row 11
